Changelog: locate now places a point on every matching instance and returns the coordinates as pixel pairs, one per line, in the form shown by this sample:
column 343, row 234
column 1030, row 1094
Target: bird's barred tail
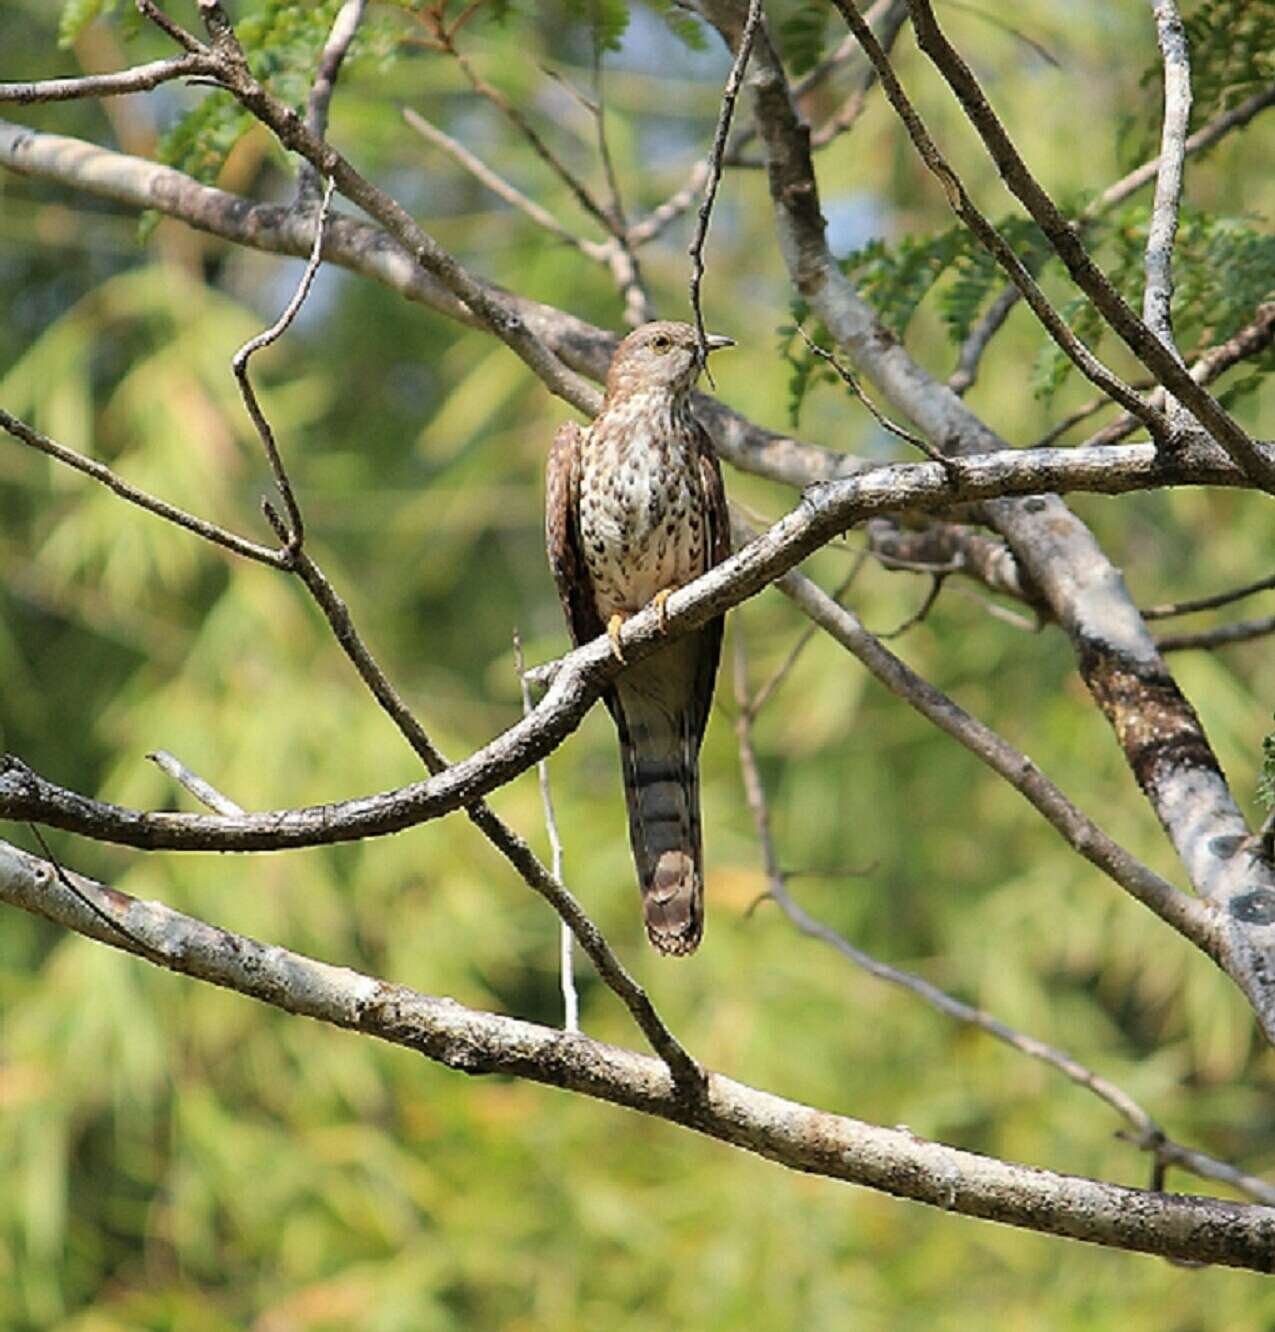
column 660, row 760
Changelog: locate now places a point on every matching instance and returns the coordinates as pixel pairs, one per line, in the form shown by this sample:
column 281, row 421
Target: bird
column 634, row 509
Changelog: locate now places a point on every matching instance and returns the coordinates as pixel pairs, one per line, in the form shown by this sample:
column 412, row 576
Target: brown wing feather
column 562, row 533
column 710, row 636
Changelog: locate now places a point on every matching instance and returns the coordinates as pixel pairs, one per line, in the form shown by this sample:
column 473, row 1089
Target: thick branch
column 800, row 1137
column 825, row 512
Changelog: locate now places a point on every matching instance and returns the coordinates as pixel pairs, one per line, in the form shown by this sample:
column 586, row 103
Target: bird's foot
column 613, row 633
column 660, row 602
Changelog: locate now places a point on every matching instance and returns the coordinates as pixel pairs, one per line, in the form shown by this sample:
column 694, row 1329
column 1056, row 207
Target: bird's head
column 664, row 354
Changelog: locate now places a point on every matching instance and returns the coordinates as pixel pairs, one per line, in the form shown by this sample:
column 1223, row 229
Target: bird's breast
column 642, row 520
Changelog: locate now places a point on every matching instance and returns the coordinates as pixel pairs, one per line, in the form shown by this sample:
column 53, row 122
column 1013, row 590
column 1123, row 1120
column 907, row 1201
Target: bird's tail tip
column 673, row 905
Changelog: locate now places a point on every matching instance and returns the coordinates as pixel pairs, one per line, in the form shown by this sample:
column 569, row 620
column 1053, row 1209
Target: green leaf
column 1053, row 365
column 802, row 36
column 897, row 280
column 608, row 19
column 283, row 42
column 201, row 140
column 1232, row 45
column 682, row 24
column 77, row 15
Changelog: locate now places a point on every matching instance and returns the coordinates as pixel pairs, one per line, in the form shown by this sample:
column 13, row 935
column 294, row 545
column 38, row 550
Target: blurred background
column 174, row 1156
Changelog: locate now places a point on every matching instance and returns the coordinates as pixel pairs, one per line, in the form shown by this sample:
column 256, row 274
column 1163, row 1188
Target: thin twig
column 344, row 27
column 202, row 790
column 1170, row 609
column 141, row 78
column 848, row 379
column 618, row 254
column 500, row 187
column 1082, row 413
column 1242, row 631
column 566, row 965
column 583, row 195
column 622, row 259
column 1157, row 297
column 219, row 536
column 96, row 908
column 729, row 95
column 239, row 363
column 936, row 586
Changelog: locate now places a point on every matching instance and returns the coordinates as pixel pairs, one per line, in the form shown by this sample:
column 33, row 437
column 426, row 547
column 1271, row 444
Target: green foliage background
column 176, row 1157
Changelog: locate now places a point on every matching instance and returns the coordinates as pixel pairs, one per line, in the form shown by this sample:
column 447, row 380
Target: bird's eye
column 661, row 343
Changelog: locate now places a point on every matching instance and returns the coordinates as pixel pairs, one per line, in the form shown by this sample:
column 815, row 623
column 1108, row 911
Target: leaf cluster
column 1232, row 46
column 1224, row 269
column 897, row 277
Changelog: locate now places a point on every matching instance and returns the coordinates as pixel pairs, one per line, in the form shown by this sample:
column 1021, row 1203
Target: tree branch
column 825, row 512
column 1171, row 610
column 492, row 308
column 894, row 1161
column 963, row 375
column 373, row 253
column 1157, row 298
column 1242, row 631
column 219, row 536
column 141, row 78
column 502, row 188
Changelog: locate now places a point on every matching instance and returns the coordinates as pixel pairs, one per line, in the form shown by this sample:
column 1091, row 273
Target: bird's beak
column 716, row 341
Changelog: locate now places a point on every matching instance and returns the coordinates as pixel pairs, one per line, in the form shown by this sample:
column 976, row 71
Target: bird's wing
column 710, row 475
column 710, row 636
column 562, row 534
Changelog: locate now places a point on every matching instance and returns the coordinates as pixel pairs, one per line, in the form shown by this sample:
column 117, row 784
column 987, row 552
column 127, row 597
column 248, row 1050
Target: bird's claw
column 613, row 633
column 660, row 602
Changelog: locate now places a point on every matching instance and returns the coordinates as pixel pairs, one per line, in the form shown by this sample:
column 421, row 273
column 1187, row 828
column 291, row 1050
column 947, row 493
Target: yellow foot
column 613, row 633
column 659, row 601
